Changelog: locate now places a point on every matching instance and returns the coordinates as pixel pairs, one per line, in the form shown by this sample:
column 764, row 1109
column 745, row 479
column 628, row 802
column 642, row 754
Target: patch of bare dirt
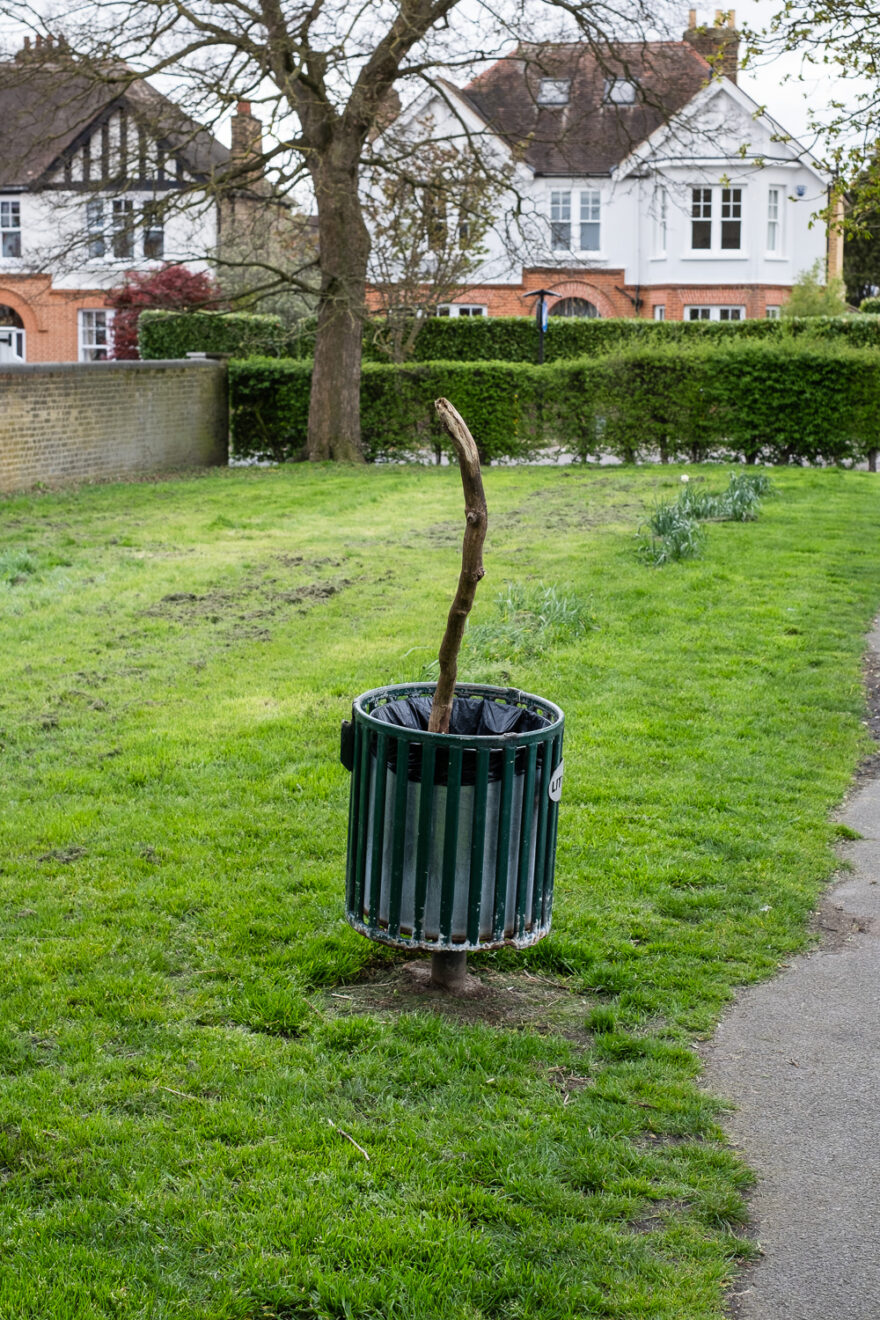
column 835, row 926
column 518, row 1000
column 246, row 609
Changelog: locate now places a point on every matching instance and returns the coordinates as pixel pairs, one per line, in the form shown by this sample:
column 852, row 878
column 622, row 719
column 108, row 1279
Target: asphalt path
column 799, row 1057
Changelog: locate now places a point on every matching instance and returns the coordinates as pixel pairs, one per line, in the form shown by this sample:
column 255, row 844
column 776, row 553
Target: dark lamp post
column 541, row 296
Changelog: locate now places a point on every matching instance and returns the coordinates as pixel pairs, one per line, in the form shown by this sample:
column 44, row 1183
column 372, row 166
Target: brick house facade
column 89, row 172
column 647, row 183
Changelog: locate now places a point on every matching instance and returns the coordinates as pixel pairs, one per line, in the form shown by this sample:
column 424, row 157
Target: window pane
column 123, row 236
column 661, row 209
column 773, row 220
column 12, row 243
column 731, row 234
column 590, row 238
column 560, row 234
column 701, row 233
column 553, row 91
column 730, row 314
column 560, row 206
column 701, row 218
column 731, row 218
column 154, row 244
column 97, row 246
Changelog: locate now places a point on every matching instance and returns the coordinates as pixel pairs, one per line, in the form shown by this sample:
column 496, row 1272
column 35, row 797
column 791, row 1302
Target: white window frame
column 10, row 227
column 719, row 205
column 619, row 91
column 560, row 219
column 554, row 91
column 153, row 221
column 462, row 309
column 96, row 229
column 122, row 227
column 773, row 311
column 590, row 218
column 661, row 220
column 713, row 312
column 775, row 212
column 90, row 347
column 659, row 312
column 16, row 339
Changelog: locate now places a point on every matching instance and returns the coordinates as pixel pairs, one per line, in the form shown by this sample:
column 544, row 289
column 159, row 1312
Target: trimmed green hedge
column 515, row 338
column 167, row 334
column 796, row 401
column 269, row 407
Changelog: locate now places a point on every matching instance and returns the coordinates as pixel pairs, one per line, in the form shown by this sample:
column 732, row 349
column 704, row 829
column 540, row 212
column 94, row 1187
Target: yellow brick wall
column 94, row 421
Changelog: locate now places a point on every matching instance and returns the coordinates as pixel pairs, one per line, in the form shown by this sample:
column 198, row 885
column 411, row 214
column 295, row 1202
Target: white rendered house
column 645, row 183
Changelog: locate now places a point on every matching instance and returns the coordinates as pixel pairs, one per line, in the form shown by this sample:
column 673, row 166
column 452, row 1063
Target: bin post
column 449, row 971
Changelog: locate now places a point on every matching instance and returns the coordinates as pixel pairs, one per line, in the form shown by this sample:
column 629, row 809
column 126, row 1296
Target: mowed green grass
column 178, row 1063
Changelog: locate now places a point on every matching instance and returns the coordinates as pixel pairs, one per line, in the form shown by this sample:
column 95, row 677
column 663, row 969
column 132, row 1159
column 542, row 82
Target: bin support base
column 449, row 971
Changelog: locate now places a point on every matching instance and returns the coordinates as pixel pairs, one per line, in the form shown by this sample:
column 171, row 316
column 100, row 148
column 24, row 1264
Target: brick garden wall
column 87, row 421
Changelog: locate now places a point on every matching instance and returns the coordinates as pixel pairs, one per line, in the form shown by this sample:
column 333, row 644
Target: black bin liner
column 471, row 718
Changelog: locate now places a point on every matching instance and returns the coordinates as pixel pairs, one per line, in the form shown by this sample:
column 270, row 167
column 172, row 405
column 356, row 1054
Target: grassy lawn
column 190, row 1029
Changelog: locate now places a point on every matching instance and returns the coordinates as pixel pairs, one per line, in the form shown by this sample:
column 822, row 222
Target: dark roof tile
column 588, row 135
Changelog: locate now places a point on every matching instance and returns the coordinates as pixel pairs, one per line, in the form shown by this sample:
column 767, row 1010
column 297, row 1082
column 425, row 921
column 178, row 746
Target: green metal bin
column 456, row 853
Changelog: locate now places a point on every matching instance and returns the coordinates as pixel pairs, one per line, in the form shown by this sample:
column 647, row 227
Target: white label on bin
column 556, row 783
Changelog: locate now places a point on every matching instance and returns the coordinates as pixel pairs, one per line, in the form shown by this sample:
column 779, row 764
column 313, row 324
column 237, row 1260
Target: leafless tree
column 428, row 219
column 319, row 73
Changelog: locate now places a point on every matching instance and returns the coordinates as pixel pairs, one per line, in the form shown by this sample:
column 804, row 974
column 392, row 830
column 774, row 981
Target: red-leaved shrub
column 172, row 287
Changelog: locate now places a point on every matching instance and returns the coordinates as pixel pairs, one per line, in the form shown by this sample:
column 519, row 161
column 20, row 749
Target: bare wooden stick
column 349, row 1137
column 471, row 563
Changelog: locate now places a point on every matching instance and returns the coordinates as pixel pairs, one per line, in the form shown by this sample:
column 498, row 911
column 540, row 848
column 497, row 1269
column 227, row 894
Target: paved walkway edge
column 799, row 1058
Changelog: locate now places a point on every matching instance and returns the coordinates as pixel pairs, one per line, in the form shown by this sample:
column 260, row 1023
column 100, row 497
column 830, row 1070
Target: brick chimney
column 247, row 134
column 718, row 44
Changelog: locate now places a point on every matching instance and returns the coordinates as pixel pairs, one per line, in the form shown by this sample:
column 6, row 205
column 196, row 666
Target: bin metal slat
column 525, row 840
column 503, row 852
column 362, row 763
column 478, row 847
column 552, row 825
column 399, row 836
column 450, row 842
column 425, row 835
column 544, row 805
column 381, row 776
column 351, row 852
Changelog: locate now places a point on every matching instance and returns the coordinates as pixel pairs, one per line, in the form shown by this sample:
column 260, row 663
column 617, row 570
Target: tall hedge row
column 515, row 338
column 165, row 334
column 780, row 401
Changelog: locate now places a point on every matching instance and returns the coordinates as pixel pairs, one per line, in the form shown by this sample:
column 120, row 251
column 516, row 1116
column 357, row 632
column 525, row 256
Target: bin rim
column 512, row 696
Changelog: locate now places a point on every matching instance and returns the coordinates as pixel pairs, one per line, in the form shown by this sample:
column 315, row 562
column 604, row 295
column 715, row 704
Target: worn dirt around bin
column 519, row 1000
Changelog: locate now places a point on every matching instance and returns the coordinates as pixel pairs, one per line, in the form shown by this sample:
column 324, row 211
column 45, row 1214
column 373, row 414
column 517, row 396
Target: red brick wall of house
column 49, row 315
column 612, row 297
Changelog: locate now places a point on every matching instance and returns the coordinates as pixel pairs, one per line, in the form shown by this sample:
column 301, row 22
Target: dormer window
column 554, row 91
column 620, row 91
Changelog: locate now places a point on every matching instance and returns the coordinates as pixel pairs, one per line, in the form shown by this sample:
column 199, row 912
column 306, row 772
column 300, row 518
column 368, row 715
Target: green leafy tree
column 812, row 296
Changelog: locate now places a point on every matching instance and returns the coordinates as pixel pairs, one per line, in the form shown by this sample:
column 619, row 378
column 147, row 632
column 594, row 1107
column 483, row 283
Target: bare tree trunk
column 471, row 563
column 335, row 403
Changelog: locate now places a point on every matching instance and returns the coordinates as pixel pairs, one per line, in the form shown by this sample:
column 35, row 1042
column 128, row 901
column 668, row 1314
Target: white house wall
column 720, row 140
column 54, row 237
